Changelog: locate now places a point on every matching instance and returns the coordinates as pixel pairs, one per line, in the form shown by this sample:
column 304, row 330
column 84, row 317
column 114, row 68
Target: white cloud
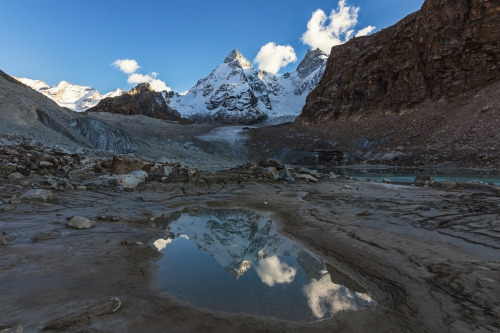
column 366, row 31
column 271, row 57
column 127, row 66
column 325, row 297
column 338, row 30
column 156, row 84
column 272, row 271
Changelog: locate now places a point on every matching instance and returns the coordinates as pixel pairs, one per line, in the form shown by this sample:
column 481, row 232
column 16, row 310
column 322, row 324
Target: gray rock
column 52, row 182
column 167, row 170
column 37, row 195
column 79, row 222
column 45, row 164
column 128, row 182
column 307, row 171
column 140, row 174
column 15, row 175
column 287, row 176
column 271, row 173
column 81, row 174
column 306, row 177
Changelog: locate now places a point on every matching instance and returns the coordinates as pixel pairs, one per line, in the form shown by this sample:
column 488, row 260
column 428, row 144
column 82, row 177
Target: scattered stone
column 307, row 177
column 449, row 184
column 52, row 182
column 423, row 181
column 332, row 176
column 45, row 164
column 192, row 171
column 287, row 176
column 140, row 174
column 167, row 170
column 79, row 222
column 128, row 182
column 271, row 173
column 123, row 164
column 37, row 195
column 15, row 175
column 346, row 187
column 81, row 187
column 81, row 174
column 307, row 171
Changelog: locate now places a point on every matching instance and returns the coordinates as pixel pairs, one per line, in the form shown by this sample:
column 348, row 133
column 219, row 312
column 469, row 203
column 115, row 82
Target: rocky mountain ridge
column 74, row 97
column 445, row 49
column 140, row 100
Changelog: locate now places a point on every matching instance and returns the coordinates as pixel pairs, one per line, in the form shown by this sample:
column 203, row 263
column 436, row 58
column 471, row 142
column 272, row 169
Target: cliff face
column 447, row 48
column 140, row 100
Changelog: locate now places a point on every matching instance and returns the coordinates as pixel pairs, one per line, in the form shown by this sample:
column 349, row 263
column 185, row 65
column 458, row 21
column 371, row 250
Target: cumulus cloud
column 127, row 66
column 365, row 31
column 271, row 57
column 324, row 32
column 156, row 84
column 130, row 66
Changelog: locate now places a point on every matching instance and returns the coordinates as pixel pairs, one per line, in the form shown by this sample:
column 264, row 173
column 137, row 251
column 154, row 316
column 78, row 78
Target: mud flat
column 428, row 256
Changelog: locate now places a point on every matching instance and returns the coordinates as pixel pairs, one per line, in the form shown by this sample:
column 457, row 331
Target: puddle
column 236, row 261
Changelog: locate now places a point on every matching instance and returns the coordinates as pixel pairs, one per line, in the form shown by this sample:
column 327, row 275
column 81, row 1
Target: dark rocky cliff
column 447, row 48
column 141, row 100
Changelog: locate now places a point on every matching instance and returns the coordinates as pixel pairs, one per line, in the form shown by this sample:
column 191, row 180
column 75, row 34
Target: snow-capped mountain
column 72, row 96
column 235, row 92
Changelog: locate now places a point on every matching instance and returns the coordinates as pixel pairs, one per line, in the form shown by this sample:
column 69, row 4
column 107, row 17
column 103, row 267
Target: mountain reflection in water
column 236, row 261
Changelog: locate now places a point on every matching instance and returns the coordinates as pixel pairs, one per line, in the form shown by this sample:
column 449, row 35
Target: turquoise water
column 235, row 261
column 409, row 176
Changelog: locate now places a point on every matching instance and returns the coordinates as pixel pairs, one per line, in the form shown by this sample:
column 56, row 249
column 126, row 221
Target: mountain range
column 234, row 92
column 74, row 97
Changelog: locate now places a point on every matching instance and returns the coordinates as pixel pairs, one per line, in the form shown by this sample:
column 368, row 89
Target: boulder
column 15, row 175
column 37, row 195
column 271, row 173
column 123, row 164
column 286, row 175
column 306, row 177
column 128, row 182
column 79, row 222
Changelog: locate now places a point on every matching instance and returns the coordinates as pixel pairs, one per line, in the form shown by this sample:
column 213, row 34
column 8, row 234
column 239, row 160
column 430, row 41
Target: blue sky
column 180, row 41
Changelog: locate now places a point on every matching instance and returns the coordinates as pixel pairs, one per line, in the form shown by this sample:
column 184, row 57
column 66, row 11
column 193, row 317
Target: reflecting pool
column 236, row 261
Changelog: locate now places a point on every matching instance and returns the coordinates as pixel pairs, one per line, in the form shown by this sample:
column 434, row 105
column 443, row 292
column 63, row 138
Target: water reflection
column 272, row 271
column 236, row 261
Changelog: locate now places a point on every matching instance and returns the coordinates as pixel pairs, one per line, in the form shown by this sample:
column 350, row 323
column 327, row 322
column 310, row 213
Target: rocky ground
column 427, row 252
column 459, row 132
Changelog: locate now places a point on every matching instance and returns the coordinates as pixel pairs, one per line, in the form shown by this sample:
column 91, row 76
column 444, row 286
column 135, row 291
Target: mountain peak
column 235, row 58
column 140, row 88
column 312, row 60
